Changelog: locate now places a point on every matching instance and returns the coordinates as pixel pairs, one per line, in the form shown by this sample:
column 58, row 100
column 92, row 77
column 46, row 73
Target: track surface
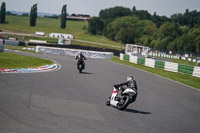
column 65, row 101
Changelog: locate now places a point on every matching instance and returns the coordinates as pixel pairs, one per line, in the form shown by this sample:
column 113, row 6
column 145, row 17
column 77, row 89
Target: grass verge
column 182, row 78
column 185, row 62
column 19, row 24
column 15, row 61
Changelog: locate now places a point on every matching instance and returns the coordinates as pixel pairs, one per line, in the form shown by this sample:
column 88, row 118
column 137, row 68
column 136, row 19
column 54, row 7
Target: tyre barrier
column 165, row 65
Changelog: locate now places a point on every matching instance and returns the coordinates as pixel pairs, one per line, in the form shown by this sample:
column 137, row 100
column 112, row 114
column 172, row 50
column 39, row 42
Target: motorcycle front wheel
column 123, row 103
column 108, row 101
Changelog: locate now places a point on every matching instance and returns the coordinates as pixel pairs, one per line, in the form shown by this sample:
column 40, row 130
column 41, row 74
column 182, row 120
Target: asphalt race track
column 65, row 101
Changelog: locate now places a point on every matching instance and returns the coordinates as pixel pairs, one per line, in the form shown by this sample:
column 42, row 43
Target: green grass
column 27, row 38
column 179, row 61
column 94, row 45
column 20, row 24
column 10, row 60
column 49, row 40
column 183, row 78
column 185, row 62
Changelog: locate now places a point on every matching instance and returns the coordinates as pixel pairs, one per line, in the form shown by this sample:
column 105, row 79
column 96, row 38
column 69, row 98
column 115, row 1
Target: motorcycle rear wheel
column 123, row 103
column 80, row 68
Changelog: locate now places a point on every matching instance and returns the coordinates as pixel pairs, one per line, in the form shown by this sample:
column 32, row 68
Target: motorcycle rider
column 130, row 83
column 80, row 57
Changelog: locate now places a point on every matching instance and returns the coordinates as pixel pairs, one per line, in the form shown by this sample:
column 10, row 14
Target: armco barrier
column 168, row 66
column 133, row 59
column 159, row 64
column 196, row 72
column 185, row 69
column 121, row 56
column 126, row 57
column 150, row 62
column 74, row 52
column 141, row 61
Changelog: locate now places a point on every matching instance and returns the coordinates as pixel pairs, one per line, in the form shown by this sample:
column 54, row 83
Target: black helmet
column 80, row 53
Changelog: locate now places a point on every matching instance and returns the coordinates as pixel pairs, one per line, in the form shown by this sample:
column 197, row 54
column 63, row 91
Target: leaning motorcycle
column 123, row 99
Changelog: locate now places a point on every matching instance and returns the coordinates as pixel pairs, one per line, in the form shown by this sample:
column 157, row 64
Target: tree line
column 33, row 15
column 180, row 32
column 3, row 13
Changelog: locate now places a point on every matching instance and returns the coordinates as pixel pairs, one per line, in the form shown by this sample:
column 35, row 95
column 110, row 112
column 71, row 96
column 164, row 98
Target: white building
column 132, row 49
column 64, row 41
column 61, row 35
column 39, row 33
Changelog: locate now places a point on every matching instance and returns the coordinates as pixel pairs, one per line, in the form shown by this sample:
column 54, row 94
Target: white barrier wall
column 196, row 72
column 169, row 66
column 133, row 59
column 74, row 52
column 11, row 42
column 183, row 58
column 150, row 62
column 1, row 45
column 121, row 56
column 37, row 41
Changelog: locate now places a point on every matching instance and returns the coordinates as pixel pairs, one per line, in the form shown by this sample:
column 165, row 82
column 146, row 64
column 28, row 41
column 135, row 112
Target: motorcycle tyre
column 126, row 103
column 108, row 101
column 80, row 68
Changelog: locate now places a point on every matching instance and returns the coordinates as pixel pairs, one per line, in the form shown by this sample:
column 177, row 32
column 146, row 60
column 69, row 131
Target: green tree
column 3, row 12
column 197, row 42
column 95, row 26
column 194, row 37
column 63, row 17
column 142, row 14
column 171, row 46
column 33, row 15
column 123, row 29
column 167, row 33
column 181, row 42
column 189, row 18
column 108, row 15
column 114, row 12
column 146, row 30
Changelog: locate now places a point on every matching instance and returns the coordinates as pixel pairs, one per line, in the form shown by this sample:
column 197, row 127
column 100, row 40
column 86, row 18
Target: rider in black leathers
column 80, row 57
column 130, row 83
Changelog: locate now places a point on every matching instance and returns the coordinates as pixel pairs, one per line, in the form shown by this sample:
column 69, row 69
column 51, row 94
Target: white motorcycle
column 123, row 99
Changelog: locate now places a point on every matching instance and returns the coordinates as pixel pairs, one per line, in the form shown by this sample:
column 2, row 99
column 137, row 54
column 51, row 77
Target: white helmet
column 130, row 82
column 129, row 78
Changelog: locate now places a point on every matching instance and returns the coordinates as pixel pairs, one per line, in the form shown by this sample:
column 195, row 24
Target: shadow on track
column 137, row 111
column 86, row 73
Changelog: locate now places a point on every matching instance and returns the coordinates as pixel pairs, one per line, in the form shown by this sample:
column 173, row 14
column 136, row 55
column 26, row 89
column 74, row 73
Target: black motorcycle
column 80, row 67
